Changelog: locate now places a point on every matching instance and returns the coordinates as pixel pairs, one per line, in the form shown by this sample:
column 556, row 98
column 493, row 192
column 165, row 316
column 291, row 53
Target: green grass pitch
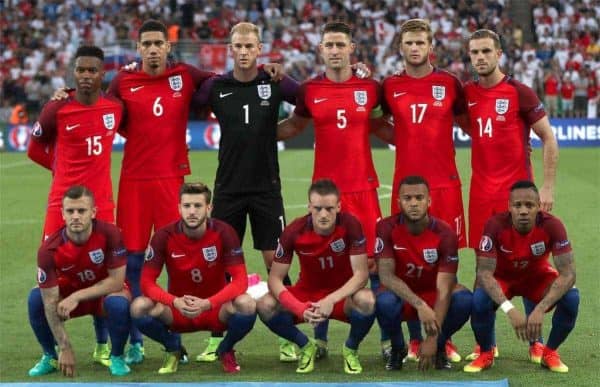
column 23, row 191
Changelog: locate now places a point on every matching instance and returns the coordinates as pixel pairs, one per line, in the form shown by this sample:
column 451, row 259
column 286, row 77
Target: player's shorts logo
column 438, row 92
column 430, row 255
column 538, row 248
column 41, row 276
column 501, row 105
column 360, row 97
column 338, row 245
column 109, row 121
column 210, row 253
column 486, row 243
column 176, row 82
column 264, row 91
column 96, row 256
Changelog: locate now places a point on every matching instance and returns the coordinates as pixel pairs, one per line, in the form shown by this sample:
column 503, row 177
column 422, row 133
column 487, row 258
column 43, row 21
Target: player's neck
column 87, row 99
column 194, row 233
column 492, row 79
column 154, row 71
column 245, row 75
column 419, row 71
column 417, row 227
column 341, row 75
column 79, row 238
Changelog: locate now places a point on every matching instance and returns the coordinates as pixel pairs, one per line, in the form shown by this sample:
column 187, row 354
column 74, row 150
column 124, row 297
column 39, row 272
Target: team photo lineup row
column 149, row 106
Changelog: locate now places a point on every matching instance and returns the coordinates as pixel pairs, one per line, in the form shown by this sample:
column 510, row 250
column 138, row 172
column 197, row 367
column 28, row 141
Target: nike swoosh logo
column 173, row 255
column 319, row 100
column 396, row 247
column 67, row 268
column 472, row 104
column 504, row 250
column 134, row 89
column 399, row 94
column 349, row 366
column 223, row 95
column 71, row 127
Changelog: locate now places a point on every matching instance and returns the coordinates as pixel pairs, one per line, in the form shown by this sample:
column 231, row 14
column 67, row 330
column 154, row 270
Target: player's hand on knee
column 313, row 316
column 519, row 322
column 66, row 306
column 534, row 324
column 66, row 362
column 427, row 352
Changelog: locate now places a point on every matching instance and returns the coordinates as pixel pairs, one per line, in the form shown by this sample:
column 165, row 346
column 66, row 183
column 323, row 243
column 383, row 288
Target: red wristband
column 292, row 304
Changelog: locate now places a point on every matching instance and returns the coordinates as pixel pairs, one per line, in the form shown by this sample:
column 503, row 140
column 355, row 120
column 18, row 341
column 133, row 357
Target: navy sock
column 38, row 322
column 135, row 262
column 321, row 330
column 414, row 330
column 282, row 324
column 238, row 327
column 117, row 318
column 483, row 319
column 387, row 310
column 375, row 284
column 458, row 313
column 360, row 325
column 529, row 307
column 101, row 330
column 158, row 331
column 563, row 320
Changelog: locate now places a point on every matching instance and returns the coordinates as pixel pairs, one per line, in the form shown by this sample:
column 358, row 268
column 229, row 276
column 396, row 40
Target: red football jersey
column 82, row 137
column 521, row 256
column 424, row 111
column 341, row 114
column 156, row 123
column 324, row 259
column 195, row 266
column 500, row 122
column 418, row 258
column 72, row 267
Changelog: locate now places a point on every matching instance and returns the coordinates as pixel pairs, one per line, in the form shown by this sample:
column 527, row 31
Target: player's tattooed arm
column 291, row 126
column 51, row 298
column 485, row 279
column 565, row 265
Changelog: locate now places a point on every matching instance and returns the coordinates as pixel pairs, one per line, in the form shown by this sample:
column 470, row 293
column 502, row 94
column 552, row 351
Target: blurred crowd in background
column 561, row 60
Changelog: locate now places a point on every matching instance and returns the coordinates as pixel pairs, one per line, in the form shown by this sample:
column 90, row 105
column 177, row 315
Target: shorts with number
column 533, row 287
column 480, row 211
column 54, row 220
column 207, row 321
column 364, row 205
column 144, row 204
column 446, row 204
column 265, row 210
column 306, row 295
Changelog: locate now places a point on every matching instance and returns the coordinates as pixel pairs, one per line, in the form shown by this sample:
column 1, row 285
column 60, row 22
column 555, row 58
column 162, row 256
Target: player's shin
column 360, row 325
column 39, row 324
column 388, row 307
column 482, row 319
column 563, row 320
column 238, row 326
column 117, row 311
column 529, row 306
column 158, row 331
column 282, row 324
column 101, row 330
column 458, row 314
column 135, row 262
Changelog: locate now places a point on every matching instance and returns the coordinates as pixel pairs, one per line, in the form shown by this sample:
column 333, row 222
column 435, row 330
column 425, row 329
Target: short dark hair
column 484, row 33
column 151, row 25
column 90, row 51
column 196, row 189
column 79, row 191
column 324, row 187
column 338, row 26
column 414, row 180
column 524, row 184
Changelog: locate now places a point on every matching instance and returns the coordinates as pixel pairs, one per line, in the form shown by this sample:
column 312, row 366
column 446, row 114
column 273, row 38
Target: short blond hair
column 417, row 25
column 245, row 28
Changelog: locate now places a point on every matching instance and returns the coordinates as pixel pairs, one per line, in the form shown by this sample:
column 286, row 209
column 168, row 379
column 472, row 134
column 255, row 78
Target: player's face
column 153, row 48
column 415, row 48
column 194, row 210
column 88, row 74
column 414, row 201
column 335, row 49
column 324, row 210
column 484, row 56
column 524, row 207
column 78, row 214
column 245, row 49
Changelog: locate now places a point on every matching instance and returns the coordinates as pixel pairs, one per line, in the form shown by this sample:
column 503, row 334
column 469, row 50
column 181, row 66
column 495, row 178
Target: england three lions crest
column 501, row 105
column 264, row 91
column 109, row 121
column 360, row 97
column 176, row 82
column 438, row 92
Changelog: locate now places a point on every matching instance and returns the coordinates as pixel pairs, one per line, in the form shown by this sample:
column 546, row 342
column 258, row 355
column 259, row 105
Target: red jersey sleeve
column 460, row 103
column 558, row 236
column 40, row 153
column 237, row 286
column 46, row 276
column 45, row 130
column 232, row 250
column 531, row 109
column 285, row 246
column 448, row 251
column 383, row 241
column 489, row 239
column 198, row 76
column 354, row 234
column 117, row 256
column 153, row 265
column 301, row 108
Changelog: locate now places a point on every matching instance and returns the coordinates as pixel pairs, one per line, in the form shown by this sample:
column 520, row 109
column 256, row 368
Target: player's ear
column 352, row 47
column 94, row 211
